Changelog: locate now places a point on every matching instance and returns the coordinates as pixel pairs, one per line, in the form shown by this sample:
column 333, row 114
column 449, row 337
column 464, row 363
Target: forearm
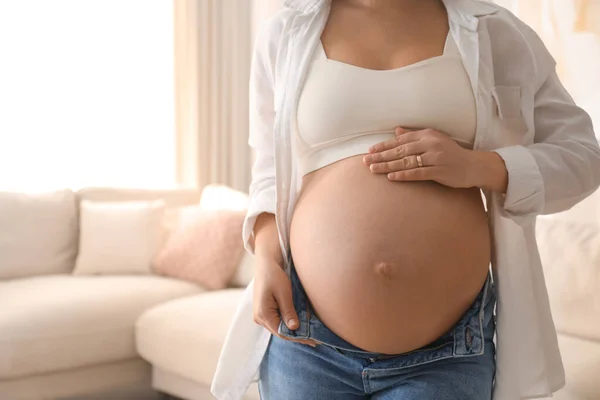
column 489, row 171
column 266, row 238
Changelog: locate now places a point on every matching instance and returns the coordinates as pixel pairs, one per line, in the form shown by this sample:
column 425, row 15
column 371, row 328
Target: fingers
column 277, row 307
column 399, row 157
column 286, row 306
column 416, row 174
column 271, row 319
column 388, row 144
column 398, row 139
column 396, row 153
column 402, row 164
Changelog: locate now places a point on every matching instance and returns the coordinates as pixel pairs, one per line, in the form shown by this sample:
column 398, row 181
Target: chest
column 339, row 101
column 502, row 90
column 385, row 39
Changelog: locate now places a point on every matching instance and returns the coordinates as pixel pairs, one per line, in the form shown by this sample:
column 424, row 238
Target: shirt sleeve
column 262, row 190
column 562, row 167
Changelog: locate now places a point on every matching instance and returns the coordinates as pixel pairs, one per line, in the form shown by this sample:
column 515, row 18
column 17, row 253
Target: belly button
column 384, row 269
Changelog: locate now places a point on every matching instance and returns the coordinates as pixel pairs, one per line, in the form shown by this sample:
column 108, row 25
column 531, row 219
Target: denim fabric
column 458, row 365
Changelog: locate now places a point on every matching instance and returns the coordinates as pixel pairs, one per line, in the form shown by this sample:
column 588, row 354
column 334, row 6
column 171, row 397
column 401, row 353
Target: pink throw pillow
column 206, row 249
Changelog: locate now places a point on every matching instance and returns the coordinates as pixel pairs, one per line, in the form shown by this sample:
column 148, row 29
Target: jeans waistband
column 467, row 336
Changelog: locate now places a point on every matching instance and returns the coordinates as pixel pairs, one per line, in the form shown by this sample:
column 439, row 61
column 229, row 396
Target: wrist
column 490, row 172
column 268, row 255
column 266, row 239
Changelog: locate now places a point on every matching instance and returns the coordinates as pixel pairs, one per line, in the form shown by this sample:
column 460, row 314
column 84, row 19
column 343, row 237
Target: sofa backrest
column 173, row 197
column 38, row 233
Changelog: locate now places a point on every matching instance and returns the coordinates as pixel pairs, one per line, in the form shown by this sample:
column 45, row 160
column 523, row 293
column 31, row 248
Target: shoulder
column 272, row 32
column 516, row 46
column 275, row 27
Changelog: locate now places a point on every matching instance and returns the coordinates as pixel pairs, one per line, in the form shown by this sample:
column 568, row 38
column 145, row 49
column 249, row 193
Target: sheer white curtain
column 212, row 61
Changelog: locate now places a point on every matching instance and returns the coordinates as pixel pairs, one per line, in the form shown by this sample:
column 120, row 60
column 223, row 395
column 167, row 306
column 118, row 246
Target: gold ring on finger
column 419, row 161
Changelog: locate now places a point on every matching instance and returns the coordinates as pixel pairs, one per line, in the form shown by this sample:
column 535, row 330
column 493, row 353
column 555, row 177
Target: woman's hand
column 442, row 160
column 272, row 299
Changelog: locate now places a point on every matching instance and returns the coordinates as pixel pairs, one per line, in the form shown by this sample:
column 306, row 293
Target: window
column 86, row 94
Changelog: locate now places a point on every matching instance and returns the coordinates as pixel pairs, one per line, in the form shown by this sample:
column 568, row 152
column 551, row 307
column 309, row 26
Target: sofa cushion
column 57, row 322
column 206, row 249
column 185, row 336
column 38, row 233
column 570, row 253
column 119, row 237
column 581, row 359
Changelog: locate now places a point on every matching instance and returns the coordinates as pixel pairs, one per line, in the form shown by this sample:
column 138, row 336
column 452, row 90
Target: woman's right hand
column 272, row 299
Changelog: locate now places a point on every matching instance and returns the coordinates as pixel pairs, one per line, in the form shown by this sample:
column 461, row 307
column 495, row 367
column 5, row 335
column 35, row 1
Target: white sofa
column 167, row 333
column 63, row 335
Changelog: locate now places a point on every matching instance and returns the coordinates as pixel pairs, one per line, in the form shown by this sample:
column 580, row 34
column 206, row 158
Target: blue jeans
column 460, row 365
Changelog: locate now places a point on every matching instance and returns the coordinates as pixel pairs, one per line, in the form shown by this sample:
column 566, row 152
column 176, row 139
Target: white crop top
column 344, row 109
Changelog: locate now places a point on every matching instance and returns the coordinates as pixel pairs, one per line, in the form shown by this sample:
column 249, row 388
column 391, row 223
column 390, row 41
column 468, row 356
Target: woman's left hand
column 442, row 159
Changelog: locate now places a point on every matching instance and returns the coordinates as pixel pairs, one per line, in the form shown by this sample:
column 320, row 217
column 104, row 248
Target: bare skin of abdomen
column 388, row 266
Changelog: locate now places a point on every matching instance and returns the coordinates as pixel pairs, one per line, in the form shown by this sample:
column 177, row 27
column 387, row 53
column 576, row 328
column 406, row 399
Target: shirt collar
column 463, row 12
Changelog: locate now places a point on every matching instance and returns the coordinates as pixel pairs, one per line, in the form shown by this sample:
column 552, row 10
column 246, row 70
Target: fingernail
column 368, row 158
column 373, row 167
column 291, row 323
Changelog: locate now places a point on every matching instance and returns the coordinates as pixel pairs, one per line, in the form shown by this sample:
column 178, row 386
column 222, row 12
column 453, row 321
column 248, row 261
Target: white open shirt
column 523, row 113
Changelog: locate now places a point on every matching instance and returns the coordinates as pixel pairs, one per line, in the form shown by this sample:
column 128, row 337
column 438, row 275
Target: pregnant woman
column 377, row 126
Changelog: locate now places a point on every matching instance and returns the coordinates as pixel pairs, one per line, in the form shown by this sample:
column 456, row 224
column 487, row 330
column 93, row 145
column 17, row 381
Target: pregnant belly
column 388, row 266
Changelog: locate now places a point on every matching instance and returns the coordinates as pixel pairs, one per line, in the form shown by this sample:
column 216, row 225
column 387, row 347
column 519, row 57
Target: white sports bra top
column 344, row 109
